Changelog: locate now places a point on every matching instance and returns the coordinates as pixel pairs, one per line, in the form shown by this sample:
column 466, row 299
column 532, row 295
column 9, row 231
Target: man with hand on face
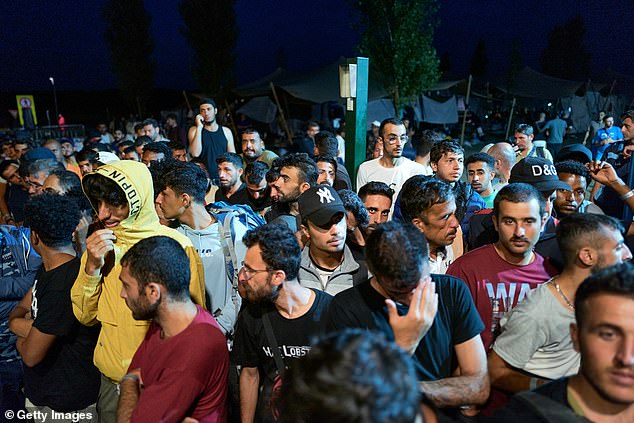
column 327, row 262
column 232, row 189
column 208, row 139
column 253, row 148
column 122, row 195
column 431, row 317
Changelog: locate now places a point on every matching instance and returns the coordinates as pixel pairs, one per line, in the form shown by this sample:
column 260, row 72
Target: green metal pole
column 356, row 120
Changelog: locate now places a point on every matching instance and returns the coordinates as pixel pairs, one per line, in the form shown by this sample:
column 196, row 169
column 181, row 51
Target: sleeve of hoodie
column 84, row 295
column 197, row 280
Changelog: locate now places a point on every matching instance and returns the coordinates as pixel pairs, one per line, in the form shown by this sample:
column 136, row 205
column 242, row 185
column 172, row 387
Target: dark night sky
column 64, row 39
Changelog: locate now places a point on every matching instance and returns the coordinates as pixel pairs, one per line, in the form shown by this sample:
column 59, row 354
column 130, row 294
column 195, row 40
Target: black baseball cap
column 538, row 172
column 577, row 152
column 320, row 204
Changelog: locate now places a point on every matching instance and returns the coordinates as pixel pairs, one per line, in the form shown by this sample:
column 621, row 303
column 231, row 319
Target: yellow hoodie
column 97, row 298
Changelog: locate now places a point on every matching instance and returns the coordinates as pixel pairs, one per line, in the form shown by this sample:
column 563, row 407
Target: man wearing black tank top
column 208, row 139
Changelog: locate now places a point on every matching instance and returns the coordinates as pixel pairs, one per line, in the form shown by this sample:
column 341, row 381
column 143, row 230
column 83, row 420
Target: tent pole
column 233, row 121
column 508, row 125
column 607, row 99
column 289, row 134
column 466, row 108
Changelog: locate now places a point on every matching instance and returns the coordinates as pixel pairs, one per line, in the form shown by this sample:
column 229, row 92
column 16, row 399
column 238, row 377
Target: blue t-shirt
column 556, row 130
column 456, row 321
column 603, row 134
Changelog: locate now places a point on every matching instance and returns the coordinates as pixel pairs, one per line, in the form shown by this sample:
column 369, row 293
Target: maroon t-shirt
column 495, row 282
column 184, row 375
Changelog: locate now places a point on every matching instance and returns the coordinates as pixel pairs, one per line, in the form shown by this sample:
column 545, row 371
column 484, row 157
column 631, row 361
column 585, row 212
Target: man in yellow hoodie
column 123, row 197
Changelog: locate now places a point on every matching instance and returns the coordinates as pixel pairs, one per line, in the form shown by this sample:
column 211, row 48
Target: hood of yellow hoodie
column 135, row 180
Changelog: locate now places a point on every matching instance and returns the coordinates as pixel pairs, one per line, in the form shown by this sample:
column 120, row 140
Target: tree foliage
column 128, row 37
column 210, row 29
column 566, row 56
column 397, row 36
column 479, row 60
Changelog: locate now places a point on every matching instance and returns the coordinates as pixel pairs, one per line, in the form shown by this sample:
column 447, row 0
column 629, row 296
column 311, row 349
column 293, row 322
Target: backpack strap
column 547, row 409
column 270, row 337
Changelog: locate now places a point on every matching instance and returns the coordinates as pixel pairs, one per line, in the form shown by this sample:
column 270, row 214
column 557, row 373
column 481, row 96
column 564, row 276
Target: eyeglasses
column 393, row 138
column 251, row 272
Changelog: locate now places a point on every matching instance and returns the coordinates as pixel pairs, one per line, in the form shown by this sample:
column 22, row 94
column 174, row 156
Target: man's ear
column 153, row 292
column 587, row 256
column 304, row 186
column 494, row 218
column 434, row 166
column 418, row 222
column 35, row 239
column 304, row 231
column 277, row 277
column 186, row 200
column 240, row 171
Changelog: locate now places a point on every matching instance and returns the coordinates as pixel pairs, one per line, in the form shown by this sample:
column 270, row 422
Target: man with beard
column 535, row 346
column 68, row 152
column 605, row 136
column 524, row 142
column 327, row 262
column 208, row 139
column 603, row 389
column 253, row 148
column 500, row 275
column 281, row 313
column 392, row 168
column 232, row 190
column 294, row 174
column 157, row 387
column 430, row 205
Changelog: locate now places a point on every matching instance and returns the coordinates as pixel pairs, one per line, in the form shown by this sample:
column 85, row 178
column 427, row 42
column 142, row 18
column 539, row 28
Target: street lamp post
column 55, row 99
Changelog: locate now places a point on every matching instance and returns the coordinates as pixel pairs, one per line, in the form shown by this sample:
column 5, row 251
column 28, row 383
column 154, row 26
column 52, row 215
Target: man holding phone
column 208, row 139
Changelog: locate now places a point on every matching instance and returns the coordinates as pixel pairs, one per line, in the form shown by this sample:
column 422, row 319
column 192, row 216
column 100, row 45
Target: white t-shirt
column 394, row 177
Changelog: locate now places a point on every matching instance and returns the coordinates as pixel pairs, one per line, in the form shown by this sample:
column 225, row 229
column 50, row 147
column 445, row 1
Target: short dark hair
column 279, row 248
column 53, row 218
column 326, row 144
column 71, row 184
column 171, row 116
column 628, row 115
column 376, row 188
column 130, row 149
column 232, row 158
column 312, row 124
column 524, row 128
column 519, row 193
column 350, row 376
column 397, row 254
column 419, row 193
column 207, row 101
column 125, row 144
column 138, row 126
column 4, row 165
column 66, row 141
column 389, row 121
column 175, row 145
column 250, row 131
column 100, row 188
column 424, row 140
column 162, row 260
column 614, row 280
column 142, row 140
column 443, row 147
column 353, row 204
column 86, row 154
column 185, row 178
column 481, row 157
column 158, row 147
column 150, row 121
column 577, row 230
column 306, row 167
column 255, row 172
column 573, row 167
column 326, row 158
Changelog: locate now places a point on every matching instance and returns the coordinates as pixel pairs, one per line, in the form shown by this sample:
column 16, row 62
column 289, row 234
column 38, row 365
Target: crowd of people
column 187, row 276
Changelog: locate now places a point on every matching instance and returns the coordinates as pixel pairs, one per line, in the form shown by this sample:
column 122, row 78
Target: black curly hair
column 53, row 218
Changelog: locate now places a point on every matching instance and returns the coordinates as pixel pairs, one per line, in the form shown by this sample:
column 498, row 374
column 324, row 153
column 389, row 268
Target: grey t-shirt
column 536, row 336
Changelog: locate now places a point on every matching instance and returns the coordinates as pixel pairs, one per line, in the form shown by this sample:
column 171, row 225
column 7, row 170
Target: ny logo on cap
column 325, row 195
